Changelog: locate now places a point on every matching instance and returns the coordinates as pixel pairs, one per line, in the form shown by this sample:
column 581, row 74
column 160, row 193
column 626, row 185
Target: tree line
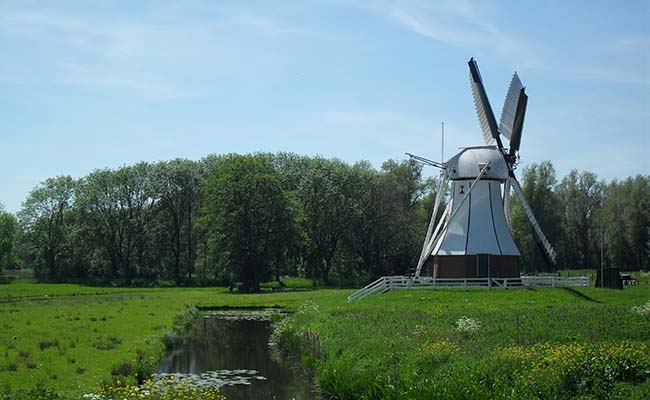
column 253, row 218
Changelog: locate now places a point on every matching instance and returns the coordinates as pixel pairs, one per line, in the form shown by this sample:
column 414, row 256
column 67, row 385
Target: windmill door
column 483, row 265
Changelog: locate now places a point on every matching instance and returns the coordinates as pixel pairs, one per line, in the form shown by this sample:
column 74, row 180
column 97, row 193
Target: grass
column 403, row 344
column 70, row 337
column 290, row 283
column 406, row 344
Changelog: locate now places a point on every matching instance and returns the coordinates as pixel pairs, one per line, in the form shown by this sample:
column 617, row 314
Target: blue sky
column 93, row 84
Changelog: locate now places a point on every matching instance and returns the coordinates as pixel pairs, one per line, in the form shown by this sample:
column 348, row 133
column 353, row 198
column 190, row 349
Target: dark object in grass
column 123, row 369
column 81, row 370
column 24, row 354
column 11, row 366
column 46, row 344
column 611, row 279
column 30, row 364
column 106, row 342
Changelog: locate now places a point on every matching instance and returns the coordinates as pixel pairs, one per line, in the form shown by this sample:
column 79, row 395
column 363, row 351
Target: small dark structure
column 629, row 279
column 611, row 279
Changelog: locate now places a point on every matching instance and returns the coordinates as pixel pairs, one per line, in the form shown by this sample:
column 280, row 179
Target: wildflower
column 467, row 324
column 643, row 310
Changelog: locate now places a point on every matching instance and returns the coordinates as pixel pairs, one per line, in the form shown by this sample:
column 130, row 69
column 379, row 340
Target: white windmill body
column 476, row 241
column 472, row 238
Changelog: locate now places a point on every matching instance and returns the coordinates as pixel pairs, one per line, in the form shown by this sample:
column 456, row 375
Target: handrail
column 387, row 283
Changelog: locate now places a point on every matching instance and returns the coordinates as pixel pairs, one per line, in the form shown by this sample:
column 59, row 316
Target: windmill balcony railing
column 387, row 283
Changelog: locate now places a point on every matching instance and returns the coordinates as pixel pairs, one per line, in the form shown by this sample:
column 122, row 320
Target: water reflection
column 221, row 346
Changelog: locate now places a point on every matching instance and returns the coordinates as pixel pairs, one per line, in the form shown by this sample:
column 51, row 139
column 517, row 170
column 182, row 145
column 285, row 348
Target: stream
column 232, row 351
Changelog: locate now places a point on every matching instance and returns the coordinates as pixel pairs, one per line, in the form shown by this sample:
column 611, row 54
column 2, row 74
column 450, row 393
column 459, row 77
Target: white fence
column 387, row 283
column 555, row 281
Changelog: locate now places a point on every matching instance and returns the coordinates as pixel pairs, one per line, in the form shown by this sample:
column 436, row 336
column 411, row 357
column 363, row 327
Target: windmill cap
column 467, row 164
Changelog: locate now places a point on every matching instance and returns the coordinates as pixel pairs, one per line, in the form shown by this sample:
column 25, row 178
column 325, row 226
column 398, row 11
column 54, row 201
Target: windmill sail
column 483, row 109
column 510, row 107
column 518, row 125
column 541, row 238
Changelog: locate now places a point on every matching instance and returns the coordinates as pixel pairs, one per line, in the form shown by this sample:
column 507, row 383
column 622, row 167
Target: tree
column 115, row 207
column 324, row 194
column 8, row 233
column 178, row 190
column 250, row 219
column 43, row 218
column 626, row 215
column 580, row 196
column 538, row 184
column 386, row 227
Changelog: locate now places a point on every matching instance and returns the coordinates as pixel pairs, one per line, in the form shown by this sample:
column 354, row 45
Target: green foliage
column 581, row 196
column 252, row 224
column 538, row 183
column 37, row 393
column 8, row 233
column 45, row 218
column 184, row 222
column 626, row 214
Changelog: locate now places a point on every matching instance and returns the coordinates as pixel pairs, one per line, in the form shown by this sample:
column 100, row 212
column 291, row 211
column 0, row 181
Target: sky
column 96, row 84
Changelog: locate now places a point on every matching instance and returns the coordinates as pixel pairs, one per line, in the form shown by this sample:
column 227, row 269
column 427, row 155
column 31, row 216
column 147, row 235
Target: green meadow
column 550, row 343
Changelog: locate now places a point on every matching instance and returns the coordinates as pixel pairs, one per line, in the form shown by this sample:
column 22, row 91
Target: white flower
column 643, row 310
column 467, row 324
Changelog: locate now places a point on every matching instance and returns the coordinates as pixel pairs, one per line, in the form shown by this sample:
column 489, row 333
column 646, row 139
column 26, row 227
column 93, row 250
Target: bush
column 46, row 344
column 106, row 342
column 37, row 393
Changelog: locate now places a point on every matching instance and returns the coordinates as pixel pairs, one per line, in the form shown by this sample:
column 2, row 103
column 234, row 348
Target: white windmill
column 473, row 237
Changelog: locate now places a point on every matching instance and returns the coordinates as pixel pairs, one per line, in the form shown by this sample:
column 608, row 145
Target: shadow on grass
column 581, row 295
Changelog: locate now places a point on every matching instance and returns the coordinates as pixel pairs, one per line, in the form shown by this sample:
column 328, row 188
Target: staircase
column 377, row 287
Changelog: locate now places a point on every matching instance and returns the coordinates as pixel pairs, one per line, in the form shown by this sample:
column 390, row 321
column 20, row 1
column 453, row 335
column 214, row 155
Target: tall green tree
column 626, row 215
column 250, row 218
column 580, row 197
column 538, row 186
column 44, row 219
column 8, row 233
column 115, row 206
column 324, row 192
column 178, row 191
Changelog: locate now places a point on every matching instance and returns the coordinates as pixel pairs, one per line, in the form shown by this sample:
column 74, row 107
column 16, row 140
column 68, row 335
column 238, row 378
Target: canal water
column 233, row 352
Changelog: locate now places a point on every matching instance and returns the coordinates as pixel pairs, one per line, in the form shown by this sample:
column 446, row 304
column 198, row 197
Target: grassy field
column 551, row 343
column 70, row 337
column 403, row 344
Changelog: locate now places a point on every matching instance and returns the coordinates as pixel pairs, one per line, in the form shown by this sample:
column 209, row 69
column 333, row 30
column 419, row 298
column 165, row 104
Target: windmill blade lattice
column 510, row 107
column 545, row 244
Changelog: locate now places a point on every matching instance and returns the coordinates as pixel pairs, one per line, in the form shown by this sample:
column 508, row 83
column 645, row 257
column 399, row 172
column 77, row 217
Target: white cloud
column 160, row 55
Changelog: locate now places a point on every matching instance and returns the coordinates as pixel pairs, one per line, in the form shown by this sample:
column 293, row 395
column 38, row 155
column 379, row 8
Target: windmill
column 473, row 238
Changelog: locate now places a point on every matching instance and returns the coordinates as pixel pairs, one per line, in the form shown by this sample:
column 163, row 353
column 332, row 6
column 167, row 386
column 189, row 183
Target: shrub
column 46, row 344
column 145, row 366
column 123, row 369
column 106, row 342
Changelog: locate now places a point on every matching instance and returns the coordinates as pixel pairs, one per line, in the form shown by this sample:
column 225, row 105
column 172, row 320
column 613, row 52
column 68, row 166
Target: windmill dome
column 467, row 164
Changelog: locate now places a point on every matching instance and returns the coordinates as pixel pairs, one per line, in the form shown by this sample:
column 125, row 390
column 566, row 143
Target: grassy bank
column 550, row 343
column 70, row 337
column 403, row 344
